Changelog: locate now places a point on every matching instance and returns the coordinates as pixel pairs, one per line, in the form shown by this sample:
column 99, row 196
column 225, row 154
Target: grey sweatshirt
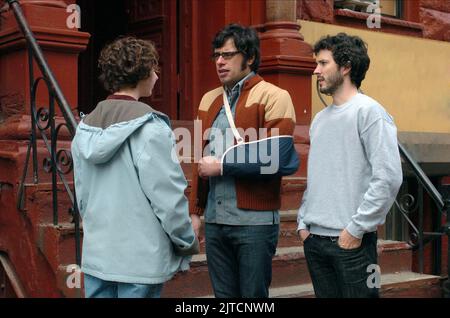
column 354, row 169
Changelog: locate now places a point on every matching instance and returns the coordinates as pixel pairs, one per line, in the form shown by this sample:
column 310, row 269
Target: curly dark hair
column 347, row 50
column 246, row 41
column 125, row 62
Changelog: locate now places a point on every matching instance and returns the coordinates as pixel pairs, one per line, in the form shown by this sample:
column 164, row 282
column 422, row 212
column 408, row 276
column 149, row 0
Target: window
column 391, row 8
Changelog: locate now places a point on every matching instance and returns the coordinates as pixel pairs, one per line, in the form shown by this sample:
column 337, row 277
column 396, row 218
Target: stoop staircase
column 50, row 237
column 290, row 274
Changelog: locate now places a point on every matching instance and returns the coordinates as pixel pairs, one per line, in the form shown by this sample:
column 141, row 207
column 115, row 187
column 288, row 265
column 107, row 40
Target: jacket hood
column 99, row 145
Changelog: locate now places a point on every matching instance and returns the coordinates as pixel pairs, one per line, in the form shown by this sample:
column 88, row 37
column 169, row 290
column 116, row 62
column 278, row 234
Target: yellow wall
column 409, row 76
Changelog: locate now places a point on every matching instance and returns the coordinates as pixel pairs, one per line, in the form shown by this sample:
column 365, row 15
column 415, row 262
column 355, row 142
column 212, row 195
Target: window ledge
column 387, row 24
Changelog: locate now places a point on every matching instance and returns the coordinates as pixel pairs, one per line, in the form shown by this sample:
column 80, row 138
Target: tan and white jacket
column 260, row 105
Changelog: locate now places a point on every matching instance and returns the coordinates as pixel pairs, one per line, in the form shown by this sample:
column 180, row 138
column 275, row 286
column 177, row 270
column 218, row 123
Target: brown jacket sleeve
column 199, row 192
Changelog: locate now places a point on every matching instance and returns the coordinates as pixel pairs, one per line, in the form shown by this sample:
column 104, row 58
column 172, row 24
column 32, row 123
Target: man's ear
column 346, row 68
column 250, row 61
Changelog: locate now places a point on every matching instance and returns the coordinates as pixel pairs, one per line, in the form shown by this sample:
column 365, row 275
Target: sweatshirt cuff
column 302, row 226
column 194, row 248
column 355, row 230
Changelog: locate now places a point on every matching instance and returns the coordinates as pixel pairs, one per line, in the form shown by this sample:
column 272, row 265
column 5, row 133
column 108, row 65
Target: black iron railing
column 59, row 161
column 409, row 204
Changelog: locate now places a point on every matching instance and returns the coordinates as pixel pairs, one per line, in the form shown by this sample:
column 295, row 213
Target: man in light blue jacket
column 130, row 189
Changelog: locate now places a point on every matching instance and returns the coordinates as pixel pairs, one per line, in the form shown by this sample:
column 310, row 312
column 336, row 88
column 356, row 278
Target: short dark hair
column 347, row 49
column 245, row 39
column 125, row 62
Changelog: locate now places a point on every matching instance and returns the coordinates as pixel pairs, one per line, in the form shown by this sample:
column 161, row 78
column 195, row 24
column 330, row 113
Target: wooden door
column 157, row 21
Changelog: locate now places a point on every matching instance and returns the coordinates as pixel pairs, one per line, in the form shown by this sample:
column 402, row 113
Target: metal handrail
column 43, row 66
column 443, row 207
column 422, row 177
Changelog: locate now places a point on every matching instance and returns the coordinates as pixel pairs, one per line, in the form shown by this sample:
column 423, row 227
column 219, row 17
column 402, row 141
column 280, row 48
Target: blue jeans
column 341, row 273
column 98, row 288
column 240, row 259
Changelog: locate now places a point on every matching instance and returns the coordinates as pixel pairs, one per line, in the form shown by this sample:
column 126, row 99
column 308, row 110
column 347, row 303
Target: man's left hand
column 348, row 241
column 209, row 167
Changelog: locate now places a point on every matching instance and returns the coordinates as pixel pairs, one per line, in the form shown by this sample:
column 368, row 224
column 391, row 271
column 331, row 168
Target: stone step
column 69, row 281
column 289, row 268
column 403, row 284
column 57, row 243
column 289, row 265
column 38, row 204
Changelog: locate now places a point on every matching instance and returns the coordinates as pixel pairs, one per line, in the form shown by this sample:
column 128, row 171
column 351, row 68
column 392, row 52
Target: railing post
column 421, row 213
column 33, row 119
column 446, row 284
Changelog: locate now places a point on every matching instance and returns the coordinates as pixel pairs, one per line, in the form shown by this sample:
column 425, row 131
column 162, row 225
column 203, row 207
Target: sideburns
column 244, row 63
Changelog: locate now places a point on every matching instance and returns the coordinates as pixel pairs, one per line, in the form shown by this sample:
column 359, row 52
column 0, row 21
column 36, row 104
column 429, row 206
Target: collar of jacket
column 218, row 102
column 121, row 97
column 251, row 82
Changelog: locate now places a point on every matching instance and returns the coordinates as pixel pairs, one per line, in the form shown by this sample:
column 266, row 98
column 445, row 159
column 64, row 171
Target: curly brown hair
column 125, row 62
column 347, row 50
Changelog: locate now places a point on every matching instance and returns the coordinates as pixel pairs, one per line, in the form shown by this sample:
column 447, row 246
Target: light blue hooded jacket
column 130, row 193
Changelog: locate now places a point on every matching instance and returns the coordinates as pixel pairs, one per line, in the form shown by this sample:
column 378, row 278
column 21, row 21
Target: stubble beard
column 335, row 81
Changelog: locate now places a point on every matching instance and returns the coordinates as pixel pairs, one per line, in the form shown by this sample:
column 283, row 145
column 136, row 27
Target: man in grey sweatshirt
column 354, row 174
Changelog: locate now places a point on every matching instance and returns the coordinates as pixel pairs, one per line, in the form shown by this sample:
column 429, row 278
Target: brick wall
column 435, row 17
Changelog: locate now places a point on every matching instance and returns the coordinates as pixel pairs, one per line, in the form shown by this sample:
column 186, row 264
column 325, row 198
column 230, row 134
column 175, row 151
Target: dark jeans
column 341, row 273
column 240, row 259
